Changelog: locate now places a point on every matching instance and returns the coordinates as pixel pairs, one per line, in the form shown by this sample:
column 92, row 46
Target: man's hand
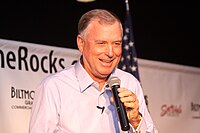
column 131, row 104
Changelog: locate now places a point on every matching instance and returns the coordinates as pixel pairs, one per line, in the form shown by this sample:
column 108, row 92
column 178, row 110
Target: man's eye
column 100, row 42
column 118, row 43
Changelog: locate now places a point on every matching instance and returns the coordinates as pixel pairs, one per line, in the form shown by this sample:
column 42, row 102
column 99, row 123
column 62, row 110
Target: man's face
column 101, row 48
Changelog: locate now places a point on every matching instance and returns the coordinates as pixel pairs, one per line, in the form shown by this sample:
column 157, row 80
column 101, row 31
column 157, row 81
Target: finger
column 124, row 92
column 128, row 99
column 132, row 105
column 127, row 96
column 121, row 89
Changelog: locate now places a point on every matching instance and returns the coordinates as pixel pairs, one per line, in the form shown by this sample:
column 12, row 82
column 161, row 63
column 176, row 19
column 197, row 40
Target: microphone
column 102, row 109
column 114, row 83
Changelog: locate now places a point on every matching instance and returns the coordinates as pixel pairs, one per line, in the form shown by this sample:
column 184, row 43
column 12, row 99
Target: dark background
column 166, row 31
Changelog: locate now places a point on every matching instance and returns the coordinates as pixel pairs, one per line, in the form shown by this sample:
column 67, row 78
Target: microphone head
column 114, row 81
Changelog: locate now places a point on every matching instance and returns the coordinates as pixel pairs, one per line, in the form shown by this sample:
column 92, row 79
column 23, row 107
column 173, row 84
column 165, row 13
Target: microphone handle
column 120, row 109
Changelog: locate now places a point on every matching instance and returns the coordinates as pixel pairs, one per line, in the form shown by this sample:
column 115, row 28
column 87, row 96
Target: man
column 79, row 99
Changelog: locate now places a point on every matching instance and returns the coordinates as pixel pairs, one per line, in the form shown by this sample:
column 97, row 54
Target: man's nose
column 109, row 50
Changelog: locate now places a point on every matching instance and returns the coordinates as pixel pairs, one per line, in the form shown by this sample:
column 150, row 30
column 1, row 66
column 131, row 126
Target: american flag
column 128, row 60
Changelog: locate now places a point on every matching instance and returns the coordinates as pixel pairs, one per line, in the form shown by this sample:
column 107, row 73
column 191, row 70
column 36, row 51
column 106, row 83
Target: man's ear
column 80, row 43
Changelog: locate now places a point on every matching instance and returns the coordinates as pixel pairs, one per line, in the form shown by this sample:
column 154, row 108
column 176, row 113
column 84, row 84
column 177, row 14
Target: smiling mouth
column 106, row 61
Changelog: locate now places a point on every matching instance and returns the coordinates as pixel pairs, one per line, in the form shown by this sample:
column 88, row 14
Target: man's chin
column 105, row 74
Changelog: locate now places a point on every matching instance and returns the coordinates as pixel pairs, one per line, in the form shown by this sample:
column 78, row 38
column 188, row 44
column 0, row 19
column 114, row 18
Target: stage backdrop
column 171, row 91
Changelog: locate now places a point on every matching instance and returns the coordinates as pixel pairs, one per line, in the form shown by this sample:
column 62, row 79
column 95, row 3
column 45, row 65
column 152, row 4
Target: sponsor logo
column 23, row 59
column 170, row 110
column 195, row 107
column 24, row 96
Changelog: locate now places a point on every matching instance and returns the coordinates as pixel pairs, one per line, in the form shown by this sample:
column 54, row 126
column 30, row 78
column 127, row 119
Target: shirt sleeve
column 146, row 124
column 45, row 109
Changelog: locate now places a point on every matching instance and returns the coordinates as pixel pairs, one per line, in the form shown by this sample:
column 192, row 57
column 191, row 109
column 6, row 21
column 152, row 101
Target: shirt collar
column 84, row 78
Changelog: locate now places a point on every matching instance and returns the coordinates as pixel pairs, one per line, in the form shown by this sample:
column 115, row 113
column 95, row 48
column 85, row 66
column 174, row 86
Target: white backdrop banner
column 173, row 95
column 22, row 67
column 171, row 91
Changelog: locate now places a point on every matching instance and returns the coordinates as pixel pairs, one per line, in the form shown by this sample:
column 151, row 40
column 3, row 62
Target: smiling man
column 101, row 47
column 79, row 98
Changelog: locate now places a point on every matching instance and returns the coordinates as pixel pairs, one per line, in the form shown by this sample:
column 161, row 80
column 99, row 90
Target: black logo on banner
column 195, row 107
column 23, row 60
column 24, row 95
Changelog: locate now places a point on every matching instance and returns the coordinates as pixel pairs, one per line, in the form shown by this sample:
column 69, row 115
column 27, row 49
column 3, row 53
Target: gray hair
column 104, row 16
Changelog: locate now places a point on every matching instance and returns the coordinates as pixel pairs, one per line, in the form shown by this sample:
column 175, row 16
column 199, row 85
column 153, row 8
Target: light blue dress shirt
column 66, row 102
